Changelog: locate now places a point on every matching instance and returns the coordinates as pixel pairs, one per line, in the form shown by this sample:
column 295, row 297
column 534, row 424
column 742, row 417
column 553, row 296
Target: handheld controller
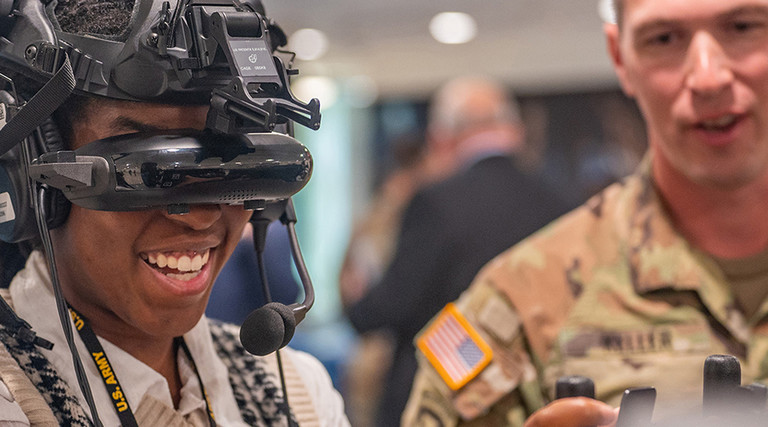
column 724, row 400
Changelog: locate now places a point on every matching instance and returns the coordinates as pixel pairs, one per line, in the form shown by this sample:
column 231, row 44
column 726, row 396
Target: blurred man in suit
column 450, row 229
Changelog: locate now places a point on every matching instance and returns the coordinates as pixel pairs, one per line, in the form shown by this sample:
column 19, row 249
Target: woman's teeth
column 184, row 277
column 178, row 266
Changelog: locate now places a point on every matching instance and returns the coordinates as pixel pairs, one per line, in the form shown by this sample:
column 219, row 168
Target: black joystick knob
column 722, row 381
column 574, row 386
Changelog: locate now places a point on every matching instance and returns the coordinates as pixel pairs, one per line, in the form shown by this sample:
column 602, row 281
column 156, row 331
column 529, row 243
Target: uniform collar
column 662, row 259
column 653, row 241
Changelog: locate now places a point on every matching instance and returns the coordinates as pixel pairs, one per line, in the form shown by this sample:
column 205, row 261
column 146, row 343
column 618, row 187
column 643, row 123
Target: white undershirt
column 33, row 301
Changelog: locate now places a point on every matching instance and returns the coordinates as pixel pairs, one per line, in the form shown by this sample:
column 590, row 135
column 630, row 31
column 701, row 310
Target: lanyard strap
column 108, row 376
column 208, row 409
column 114, row 390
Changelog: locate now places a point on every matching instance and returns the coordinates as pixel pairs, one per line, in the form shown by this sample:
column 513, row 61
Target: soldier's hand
column 574, row 412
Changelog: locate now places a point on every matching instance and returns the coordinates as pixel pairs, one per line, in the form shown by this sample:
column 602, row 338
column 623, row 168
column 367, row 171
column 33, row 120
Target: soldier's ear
column 613, row 42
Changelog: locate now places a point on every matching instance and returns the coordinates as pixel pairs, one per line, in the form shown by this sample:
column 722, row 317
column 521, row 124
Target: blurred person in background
column 368, row 254
column 638, row 286
column 373, row 240
column 450, row 229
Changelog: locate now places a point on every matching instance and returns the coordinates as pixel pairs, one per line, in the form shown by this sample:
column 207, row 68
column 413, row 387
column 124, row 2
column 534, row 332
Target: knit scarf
column 256, row 388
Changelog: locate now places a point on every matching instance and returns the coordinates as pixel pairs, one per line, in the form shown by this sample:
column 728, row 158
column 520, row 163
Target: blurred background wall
column 374, row 65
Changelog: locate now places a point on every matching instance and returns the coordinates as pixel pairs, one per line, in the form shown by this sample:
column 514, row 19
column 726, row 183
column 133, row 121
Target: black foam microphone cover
column 267, row 329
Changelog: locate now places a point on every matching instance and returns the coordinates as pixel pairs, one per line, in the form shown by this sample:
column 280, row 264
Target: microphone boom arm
column 299, row 309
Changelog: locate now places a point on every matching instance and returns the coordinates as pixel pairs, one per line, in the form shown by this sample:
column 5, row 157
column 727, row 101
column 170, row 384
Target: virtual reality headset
column 216, row 52
column 142, row 171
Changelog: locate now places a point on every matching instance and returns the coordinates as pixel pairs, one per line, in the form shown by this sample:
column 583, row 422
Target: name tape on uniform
column 454, row 348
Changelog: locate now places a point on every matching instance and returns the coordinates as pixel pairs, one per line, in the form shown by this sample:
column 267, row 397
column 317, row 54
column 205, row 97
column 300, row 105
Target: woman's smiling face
column 143, row 272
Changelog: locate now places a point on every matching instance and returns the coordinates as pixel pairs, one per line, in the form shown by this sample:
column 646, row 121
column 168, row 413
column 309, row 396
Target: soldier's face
column 699, row 72
column 110, row 262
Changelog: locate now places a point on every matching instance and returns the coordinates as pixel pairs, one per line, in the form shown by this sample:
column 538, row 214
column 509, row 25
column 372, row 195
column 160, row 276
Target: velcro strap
column 39, row 108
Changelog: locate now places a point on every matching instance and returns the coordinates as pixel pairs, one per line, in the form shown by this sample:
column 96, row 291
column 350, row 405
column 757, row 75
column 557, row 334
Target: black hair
column 72, row 110
column 110, row 19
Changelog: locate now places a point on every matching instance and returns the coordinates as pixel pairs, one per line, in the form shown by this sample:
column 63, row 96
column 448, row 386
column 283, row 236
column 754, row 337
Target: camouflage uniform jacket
column 610, row 291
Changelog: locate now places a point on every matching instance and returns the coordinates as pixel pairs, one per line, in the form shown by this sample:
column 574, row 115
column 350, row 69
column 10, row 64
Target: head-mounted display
column 141, row 171
column 202, row 51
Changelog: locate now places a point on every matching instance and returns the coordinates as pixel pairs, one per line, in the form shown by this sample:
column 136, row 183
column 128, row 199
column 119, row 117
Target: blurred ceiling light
column 308, row 43
column 363, row 91
column 453, row 27
column 323, row 88
column 605, row 9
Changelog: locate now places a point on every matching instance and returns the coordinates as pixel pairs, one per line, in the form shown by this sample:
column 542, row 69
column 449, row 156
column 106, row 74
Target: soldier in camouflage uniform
column 649, row 277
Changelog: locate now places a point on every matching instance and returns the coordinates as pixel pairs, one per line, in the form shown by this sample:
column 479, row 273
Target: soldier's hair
column 618, row 11
column 106, row 19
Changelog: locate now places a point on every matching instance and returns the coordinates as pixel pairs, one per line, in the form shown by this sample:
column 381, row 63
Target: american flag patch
column 454, row 348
